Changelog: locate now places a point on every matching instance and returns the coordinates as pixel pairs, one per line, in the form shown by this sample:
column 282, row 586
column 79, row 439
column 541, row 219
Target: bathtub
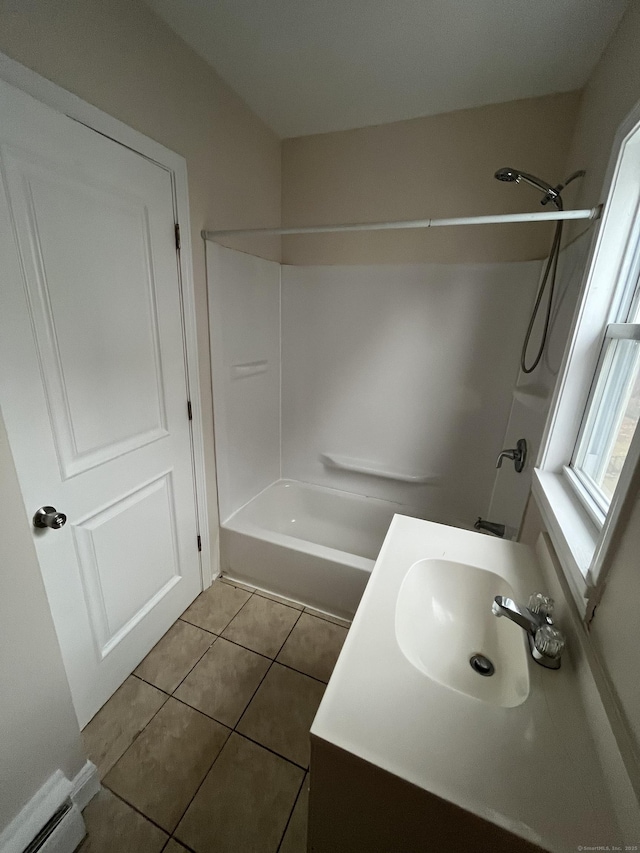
column 311, row 544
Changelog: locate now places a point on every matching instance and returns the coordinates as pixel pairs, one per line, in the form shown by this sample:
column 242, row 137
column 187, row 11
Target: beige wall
column 118, row 55
column 613, row 630
column 611, row 92
column 436, row 166
column 39, row 731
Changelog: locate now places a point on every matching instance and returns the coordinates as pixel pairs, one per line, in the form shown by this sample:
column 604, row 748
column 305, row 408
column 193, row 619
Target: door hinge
column 177, row 230
column 189, row 410
column 199, row 543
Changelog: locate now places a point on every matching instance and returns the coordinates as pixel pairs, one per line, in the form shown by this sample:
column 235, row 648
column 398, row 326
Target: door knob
column 48, row 516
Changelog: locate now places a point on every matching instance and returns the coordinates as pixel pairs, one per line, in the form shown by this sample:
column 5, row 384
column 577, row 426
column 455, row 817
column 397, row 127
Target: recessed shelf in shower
column 250, row 368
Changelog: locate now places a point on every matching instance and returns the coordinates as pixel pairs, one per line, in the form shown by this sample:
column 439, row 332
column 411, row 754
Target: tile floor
column 205, row 747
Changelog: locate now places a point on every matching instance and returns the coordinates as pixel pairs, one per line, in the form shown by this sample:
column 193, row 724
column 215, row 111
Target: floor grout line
column 204, row 713
column 244, row 604
column 120, row 797
column 136, row 809
column 182, row 844
column 273, row 660
column 151, row 684
column 239, row 734
column 208, row 716
column 193, row 625
column 290, row 761
column 287, row 637
column 195, row 793
column 306, row 610
column 193, row 708
column 177, row 841
column 251, row 594
column 247, row 649
column 206, row 651
column 182, row 618
column 216, row 637
column 234, row 729
column 300, row 672
column 137, row 734
column 262, row 654
column 293, row 808
column 230, row 730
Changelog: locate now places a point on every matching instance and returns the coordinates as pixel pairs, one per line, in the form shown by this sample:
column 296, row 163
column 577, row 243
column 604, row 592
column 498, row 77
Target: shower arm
column 551, row 194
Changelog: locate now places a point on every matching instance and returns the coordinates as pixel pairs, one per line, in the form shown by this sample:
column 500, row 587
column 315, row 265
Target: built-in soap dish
column 249, row 368
column 373, row 469
column 534, row 396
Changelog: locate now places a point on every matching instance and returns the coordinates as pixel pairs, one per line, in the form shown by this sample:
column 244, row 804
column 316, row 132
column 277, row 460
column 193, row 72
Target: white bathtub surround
column 400, row 756
column 355, row 383
column 409, row 367
column 532, row 394
column 244, row 316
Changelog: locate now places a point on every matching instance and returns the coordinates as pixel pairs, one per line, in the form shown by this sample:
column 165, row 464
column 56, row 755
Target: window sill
column 572, row 532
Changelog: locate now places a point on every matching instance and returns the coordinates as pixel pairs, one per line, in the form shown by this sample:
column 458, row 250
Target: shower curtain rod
column 545, row 216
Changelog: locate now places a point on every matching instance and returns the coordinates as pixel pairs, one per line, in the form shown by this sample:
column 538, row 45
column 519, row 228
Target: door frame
column 71, row 105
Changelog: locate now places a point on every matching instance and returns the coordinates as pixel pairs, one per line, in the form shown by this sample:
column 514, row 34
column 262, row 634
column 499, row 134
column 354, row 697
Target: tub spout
column 490, row 527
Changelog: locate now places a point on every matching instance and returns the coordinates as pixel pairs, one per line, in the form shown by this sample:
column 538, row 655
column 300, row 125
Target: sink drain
column 482, row 665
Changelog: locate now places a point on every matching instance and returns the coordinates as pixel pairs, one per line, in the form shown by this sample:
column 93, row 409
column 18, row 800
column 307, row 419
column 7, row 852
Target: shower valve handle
column 517, row 454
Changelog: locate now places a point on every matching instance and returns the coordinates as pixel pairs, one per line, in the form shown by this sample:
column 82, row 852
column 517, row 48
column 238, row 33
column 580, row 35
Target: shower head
column 508, row 175
column 512, row 176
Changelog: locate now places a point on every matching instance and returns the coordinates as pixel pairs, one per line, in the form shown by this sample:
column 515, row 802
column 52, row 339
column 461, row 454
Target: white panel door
column 93, row 387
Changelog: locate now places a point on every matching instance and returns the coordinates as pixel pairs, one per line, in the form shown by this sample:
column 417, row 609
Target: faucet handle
column 549, row 642
column 542, row 605
column 518, row 454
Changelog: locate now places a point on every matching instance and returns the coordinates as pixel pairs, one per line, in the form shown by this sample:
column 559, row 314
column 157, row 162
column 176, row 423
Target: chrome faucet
column 523, row 617
column 546, row 643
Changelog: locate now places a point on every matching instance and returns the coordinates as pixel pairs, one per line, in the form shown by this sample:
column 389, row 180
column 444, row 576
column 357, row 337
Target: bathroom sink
column 445, row 628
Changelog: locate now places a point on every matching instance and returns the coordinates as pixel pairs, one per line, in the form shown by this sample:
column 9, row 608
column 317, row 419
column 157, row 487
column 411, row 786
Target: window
column 612, row 411
column 591, row 446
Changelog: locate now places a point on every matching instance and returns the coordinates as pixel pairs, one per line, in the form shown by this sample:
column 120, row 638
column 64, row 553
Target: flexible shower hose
column 550, row 269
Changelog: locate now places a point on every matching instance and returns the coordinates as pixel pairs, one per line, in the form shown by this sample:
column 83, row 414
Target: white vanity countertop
column 530, row 768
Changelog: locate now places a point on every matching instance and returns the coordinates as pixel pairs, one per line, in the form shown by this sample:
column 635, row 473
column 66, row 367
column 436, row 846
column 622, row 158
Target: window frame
column 581, row 532
column 593, row 497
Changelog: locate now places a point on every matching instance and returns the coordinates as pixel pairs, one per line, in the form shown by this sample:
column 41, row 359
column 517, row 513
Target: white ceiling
column 312, row 66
